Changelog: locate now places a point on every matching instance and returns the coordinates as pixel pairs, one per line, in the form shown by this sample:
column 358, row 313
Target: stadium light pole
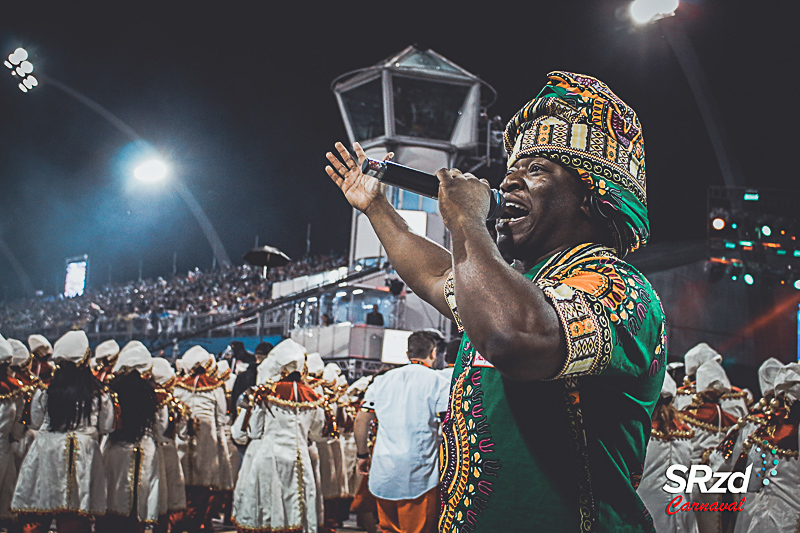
column 153, row 170
column 645, row 12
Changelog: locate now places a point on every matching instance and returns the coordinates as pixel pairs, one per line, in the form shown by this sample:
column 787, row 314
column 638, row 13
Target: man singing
column 563, row 355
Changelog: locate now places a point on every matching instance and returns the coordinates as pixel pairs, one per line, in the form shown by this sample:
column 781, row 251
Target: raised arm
column 423, row 264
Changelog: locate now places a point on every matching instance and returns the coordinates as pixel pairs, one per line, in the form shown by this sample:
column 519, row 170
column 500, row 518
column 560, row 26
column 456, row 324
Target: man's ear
column 586, row 203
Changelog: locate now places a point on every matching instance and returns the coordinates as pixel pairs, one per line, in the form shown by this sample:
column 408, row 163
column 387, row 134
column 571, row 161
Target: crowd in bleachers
column 159, row 304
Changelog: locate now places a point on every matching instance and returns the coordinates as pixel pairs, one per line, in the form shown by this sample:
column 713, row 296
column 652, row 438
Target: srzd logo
column 699, row 476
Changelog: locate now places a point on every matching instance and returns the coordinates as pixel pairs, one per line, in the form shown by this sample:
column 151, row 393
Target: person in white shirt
column 404, row 468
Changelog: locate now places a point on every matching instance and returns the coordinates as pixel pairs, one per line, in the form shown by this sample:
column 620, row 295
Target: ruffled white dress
column 136, row 464
column 276, row 489
column 661, row 454
column 11, row 405
column 200, row 451
column 173, row 484
column 64, row 471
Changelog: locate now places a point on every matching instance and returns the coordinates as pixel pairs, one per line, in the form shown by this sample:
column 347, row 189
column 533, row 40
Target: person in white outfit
column 173, row 486
column 773, row 503
column 331, row 453
column 725, row 456
column 20, row 370
column 12, row 403
column 710, row 423
column 277, row 492
column 670, row 444
column 133, row 464
column 221, row 500
column 404, row 466
column 315, row 367
column 735, row 401
column 63, row 475
column 205, row 468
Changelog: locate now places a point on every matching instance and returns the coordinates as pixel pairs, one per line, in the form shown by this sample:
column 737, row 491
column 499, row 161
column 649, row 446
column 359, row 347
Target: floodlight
column 645, row 11
column 766, row 231
column 18, row 56
column 151, row 171
column 749, row 279
column 718, row 223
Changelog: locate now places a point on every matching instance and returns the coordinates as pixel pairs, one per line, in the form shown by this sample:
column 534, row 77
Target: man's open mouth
column 513, row 212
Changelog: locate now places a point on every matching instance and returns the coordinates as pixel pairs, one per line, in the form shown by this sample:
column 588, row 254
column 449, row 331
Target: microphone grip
column 422, row 183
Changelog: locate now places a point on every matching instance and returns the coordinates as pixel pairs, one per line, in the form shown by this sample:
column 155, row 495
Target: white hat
column 711, row 377
column 162, row 371
column 341, row 381
column 267, row 370
column 699, row 355
column 674, row 366
column 21, row 353
column 108, row 348
column 766, row 375
column 668, row 389
column 332, row 371
column 72, row 346
column 290, row 356
column 223, row 369
column 6, row 350
column 196, row 357
column 315, row 364
column 787, row 381
column 37, row 341
column 179, row 366
column 287, row 357
column 360, row 385
column 134, row 356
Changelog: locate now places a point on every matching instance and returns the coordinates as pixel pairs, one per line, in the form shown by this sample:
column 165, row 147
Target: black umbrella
column 266, row 256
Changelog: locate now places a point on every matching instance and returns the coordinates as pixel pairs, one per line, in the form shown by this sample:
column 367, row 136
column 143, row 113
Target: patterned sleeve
column 612, row 319
column 450, row 298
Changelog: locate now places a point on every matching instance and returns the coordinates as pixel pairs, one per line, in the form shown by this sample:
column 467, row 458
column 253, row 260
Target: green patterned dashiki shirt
column 564, row 454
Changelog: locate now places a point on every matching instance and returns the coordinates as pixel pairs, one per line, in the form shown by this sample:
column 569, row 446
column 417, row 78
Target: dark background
column 238, row 96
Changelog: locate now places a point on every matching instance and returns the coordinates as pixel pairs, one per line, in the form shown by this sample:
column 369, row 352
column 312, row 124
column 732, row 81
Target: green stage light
column 766, row 231
column 748, row 278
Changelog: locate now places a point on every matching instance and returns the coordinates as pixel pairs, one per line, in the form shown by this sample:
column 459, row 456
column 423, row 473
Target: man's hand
column 358, row 188
column 363, row 465
column 463, row 198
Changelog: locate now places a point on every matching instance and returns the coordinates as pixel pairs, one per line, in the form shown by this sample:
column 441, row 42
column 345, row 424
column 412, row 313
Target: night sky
column 237, row 96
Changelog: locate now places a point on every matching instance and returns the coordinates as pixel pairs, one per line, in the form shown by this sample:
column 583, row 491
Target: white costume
column 315, row 367
column 710, row 423
column 351, row 401
column 226, row 443
column 135, row 466
column 277, row 492
column 203, row 464
column 775, row 505
column 173, row 486
column 667, row 446
column 331, row 454
column 734, row 401
column 725, row 456
column 63, row 470
column 20, row 362
column 12, row 402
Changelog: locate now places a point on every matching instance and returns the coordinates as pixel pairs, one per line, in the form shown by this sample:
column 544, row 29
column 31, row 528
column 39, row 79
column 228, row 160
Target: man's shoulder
column 411, row 373
column 616, row 284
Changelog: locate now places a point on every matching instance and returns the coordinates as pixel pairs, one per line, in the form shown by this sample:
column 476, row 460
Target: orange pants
column 65, row 522
column 420, row 515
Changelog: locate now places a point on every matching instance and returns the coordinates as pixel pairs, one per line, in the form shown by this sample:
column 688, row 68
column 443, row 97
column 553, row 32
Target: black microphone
column 420, row 182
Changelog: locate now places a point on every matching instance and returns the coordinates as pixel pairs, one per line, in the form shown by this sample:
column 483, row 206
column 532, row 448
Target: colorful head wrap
column 577, row 122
